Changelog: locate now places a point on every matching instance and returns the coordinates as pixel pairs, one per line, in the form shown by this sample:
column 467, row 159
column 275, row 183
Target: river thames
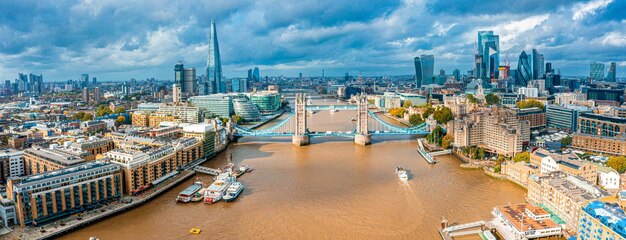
column 331, row 189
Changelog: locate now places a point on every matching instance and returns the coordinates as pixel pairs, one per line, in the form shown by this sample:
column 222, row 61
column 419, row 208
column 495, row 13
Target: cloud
column 615, row 39
column 582, row 10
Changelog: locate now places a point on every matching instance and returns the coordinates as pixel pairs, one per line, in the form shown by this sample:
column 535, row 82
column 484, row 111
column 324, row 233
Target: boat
column 402, row 174
column 199, row 196
column 241, row 170
column 233, row 191
column 186, row 195
column 333, row 111
column 215, row 192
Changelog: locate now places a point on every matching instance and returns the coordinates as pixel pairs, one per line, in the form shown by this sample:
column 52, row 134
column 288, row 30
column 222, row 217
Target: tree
column 523, row 156
column 103, row 110
column 120, row 109
column 238, row 119
column 566, row 140
column 407, row 104
column 427, row 113
column 447, row 140
column 618, row 163
column 471, row 98
column 435, row 135
column 79, row 115
column 530, row 103
column 492, row 99
column 120, row 120
column 443, row 115
column 415, row 119
column 481, row 153
column 87, row 117
column 397, row 112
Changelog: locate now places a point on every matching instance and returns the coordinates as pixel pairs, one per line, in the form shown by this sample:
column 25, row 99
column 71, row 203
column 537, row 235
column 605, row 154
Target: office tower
column 178, row 73
column 549, row 67
column 488, row 57
column 596, row 71
column 7, row 87
column 457, row 74
column 250, row 74
column 176, row 93
column 524, row 73
column 96, row 95
column 214, row 62
column 22, row 82
column 86, row 94
column 612, row 73
column 94, row 82
column 256, row 74
column 424, row 70
column 125, row 89
column 442, row 72
column 538, row 65
column 189, row 81
column 84, row 80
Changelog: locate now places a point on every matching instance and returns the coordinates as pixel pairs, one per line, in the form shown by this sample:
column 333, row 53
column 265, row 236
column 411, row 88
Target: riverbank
column 55, row 229
column 266, row 120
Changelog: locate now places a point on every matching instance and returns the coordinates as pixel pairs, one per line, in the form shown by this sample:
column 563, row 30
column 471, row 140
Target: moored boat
column 189, row 192
column 233, row 191
column 215, row 192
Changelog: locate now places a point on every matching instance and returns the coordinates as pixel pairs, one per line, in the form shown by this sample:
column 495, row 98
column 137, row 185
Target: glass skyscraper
column 488, row 58
column 596, row 71
column 538, row 67
column 424, row 70
column 524, row 73
column 214, row 62
column 612, row 72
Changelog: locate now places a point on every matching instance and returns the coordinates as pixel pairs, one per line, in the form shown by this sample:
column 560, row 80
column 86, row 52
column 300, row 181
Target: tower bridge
column 296, row 124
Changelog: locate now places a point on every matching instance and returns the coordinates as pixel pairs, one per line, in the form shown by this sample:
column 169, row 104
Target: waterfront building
column 600, row 221
column 568, row 163
column 244, row 108
column 7, row 213
column 535, row 116
column 11, row 164
column 205, row 133
column 564, row 117
column 38, row 159
column 214, row 63
column 498, row 130
column 424, row 70
column 565, row 195
column 519, row 172
column 612, row 73
column 596, row 71
column 216, row 104
column 46, row 197
column 267, row 102
column 524, row 73
column 524, row 221
column 608, row 178
column 144, row 168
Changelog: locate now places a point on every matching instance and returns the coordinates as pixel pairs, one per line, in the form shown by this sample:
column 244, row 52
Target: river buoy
column 194, row 231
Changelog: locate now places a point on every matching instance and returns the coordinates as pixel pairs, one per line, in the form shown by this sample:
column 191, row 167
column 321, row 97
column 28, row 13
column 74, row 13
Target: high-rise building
column 189, row 81
column 549, row 67
column 176, row 93
column 94, row 82
column 256, row 74
column 178, row 73
column 524, row 73
column 612, row 72
column 214, row 62
column 84, row 80
column 424, row 69
column 596, row 71
column 488, row 57
column 457, row 74
column 538, row 65
column 96, row 95
column 86, row 94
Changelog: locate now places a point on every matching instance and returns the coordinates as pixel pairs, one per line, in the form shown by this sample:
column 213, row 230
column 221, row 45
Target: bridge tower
column 362, row 135
column 300, row 136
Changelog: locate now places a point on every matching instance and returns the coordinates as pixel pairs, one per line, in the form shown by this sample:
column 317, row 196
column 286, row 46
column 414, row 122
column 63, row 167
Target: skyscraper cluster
column 487, row 57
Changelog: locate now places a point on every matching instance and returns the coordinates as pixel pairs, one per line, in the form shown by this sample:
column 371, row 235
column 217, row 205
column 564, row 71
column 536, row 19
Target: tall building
column 488, row 57
column 256, row 75
column 612, row 72
column 84, row 80
column 94, row 82
column 424, row 69
column 214, row 62
column 538, row 65
column 457, row 74
column 96, row 95
column 178, row 73
column 596, row 71
column 189, row 82
column 86, row 94
column 524, row 73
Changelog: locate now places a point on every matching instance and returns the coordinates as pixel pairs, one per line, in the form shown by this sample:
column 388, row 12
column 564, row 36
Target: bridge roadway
column 330, row 107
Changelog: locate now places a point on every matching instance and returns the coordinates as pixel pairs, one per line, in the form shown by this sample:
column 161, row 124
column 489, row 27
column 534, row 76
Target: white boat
column 215, row 192
column 402, row 174
column 233, row 191
column 187, row 194
column 333, row 111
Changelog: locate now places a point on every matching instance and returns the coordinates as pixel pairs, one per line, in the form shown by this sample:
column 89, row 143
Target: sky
column 119, row 40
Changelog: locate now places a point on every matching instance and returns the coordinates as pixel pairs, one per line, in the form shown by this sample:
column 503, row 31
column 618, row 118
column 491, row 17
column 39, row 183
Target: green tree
column 523, row 156
column 119, row 109
column 103, row 110
column 87, row 117
column 428, row 112
column 415, row 119
column 471, row 98
column 618, row 163
column 447, row 140
column 238, row 119
column 407, row 104
column 435, row 136
column 530, row 103
column 492, row 99
column 481, row 153
column 443, row 115
column 120, row 120
column 566, row 140
column 397, row 112
column 79, row 115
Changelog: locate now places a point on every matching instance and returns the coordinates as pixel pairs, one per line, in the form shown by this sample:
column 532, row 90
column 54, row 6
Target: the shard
column 214, row 62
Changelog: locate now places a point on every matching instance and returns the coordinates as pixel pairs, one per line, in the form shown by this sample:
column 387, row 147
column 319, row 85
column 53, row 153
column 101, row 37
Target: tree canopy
column 471, row 98
column 530, row 103
column 436, row 135
column 103, row 110
column 415, row 119
column 407, row 104
column 397, row 112
column 492, row 99
column 523, row 156
column 443, row 115
column 618, row 163
column 447, row 140
column 238, row 119
column 120, row 109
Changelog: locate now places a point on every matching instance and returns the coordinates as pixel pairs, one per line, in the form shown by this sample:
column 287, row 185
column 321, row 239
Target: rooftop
column 610, row 215
column 516, row 215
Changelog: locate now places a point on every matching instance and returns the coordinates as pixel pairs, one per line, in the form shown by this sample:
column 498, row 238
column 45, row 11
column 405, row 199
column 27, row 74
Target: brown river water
column 331, row 189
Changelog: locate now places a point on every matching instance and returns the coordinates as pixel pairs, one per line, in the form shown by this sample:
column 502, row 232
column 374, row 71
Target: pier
column 425, row 155
column 207, row 170
column 449, row 232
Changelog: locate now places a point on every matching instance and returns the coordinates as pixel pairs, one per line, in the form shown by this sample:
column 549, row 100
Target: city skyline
column 570, row 35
